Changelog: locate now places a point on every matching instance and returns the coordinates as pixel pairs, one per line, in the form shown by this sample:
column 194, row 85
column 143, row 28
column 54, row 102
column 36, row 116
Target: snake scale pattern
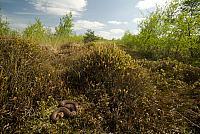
column 65, row 108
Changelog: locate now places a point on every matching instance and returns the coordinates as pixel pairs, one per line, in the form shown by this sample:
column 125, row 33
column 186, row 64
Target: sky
column 108, row 18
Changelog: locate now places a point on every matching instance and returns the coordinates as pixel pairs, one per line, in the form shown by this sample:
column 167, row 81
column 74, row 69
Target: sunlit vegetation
column 170, row 32
column 145, row 83
column 90, row 36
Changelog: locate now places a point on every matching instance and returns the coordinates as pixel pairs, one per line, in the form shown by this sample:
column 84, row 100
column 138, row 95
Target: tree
column 130, row 40
column 65, row 26
column 4, row 26
column 35, row 31
column 191, row 6
column 90, row 36
column 173, row 30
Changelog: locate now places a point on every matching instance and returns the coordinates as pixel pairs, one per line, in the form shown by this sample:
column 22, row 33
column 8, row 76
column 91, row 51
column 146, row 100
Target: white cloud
column 52, row 29
column 27, row 13
column 4, row 17
column 135, row 32
column 14, row 23
column 59, row 7
column 18, row 26
column 138, row 20
column 104, row 34
column 113, row 33
column 117, row 31
column 85, row 24
column 118, row 22
column 147, row 4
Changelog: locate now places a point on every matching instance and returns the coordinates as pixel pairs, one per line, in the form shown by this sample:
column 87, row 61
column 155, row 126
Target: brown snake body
column 66, row 108
column 72, row 106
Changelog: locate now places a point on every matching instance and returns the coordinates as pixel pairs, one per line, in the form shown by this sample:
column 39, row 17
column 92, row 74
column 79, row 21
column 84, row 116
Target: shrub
column 111, row 80
column 116, row 93
column 90, row 36
column 65, row 26
column 124, row 98
column 36, row 32
column 130, row 40
column 174, row 70
column 98, row 67
column 25, row 78
column 178, row 86
column 4, row 27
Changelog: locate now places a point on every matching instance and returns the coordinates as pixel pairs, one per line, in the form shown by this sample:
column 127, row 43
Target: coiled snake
column 66, row 108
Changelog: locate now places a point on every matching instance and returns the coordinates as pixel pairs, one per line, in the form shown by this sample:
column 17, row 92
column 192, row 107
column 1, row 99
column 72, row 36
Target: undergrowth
column 116, row 92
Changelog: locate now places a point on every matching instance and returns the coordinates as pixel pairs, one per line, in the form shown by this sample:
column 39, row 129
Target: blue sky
column 108, row 18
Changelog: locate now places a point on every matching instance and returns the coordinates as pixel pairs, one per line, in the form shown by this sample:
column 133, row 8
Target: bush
column 5, row 30
column 130, row 40
column 25, row 78
column 173, row 70
column 65, row 26
column 112, row 81
column 90, row 36
column 36, row 32
column 98, row 67
column 125, row 100
column 178, row 86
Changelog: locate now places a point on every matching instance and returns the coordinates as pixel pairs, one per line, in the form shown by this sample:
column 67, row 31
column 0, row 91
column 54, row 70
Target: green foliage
column 191, row 6
column 57, row 41
column 65, row 26
column 130, row 40
column 36, row 32
column 90, row 36
column 169, row 32
column 4, row 28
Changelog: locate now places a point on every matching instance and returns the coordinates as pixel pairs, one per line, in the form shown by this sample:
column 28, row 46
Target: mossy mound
column 99, row 67
column 178, row 92
column 25, row 78
column 112, row 81
column 172, row 69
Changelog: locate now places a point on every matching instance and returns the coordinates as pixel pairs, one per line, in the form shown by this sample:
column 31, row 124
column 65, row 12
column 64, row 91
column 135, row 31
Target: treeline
column 172, row 31
column 38, row 33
